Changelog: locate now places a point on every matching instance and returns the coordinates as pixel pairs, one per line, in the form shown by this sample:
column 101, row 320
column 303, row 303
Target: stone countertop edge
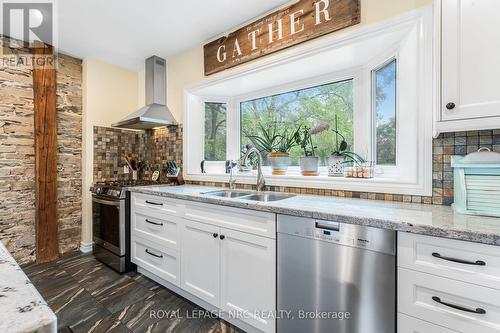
column 423, row 219
column 22, row 308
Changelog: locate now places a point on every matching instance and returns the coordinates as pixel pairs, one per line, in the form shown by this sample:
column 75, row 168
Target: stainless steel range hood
column 155, row 113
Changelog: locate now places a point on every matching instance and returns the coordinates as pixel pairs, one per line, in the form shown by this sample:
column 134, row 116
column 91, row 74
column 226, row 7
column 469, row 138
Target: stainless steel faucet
column 230, row 165
column 261, row 182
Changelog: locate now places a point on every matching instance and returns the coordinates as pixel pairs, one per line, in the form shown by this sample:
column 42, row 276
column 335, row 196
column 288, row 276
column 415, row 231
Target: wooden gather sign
column 297, row 23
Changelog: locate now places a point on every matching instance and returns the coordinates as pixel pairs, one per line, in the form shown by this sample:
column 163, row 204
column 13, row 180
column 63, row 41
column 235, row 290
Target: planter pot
column 309, row 165
column 336, row 166
column 279, row 162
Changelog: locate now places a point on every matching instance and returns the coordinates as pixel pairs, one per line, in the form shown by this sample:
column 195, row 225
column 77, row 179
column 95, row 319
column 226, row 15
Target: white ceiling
column 125, row 32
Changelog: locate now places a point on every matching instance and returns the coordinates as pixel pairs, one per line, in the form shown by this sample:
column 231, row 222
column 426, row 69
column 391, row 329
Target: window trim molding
column 421, row 19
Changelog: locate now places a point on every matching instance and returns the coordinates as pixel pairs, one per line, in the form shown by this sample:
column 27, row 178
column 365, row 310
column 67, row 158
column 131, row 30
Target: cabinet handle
column 155, row 223
column 154, row 255
column 222, row 237
column 154, row 203
column 460, row 261
column 458, row 307
column 215, row 235
column 450, row 106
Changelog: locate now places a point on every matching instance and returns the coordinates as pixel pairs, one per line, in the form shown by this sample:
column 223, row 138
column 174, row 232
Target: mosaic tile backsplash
column 152, row 147
column 157, row 146
column 444, row 146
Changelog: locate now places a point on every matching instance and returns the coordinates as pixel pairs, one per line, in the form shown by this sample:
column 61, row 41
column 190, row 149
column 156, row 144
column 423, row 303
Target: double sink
column 252, row 196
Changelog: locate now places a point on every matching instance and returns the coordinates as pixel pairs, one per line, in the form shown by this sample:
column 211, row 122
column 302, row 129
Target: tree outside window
column 215, row 131
column 385, row 115
column 305, row 107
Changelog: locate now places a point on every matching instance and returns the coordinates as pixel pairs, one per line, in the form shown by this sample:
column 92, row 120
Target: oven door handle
column 106, row 202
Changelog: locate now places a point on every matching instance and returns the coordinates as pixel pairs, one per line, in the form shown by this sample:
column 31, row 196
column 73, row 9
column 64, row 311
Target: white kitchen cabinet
column 470, row 49
column 447, row 283
column 223, row 256
column 248, row 277
column 200, row 255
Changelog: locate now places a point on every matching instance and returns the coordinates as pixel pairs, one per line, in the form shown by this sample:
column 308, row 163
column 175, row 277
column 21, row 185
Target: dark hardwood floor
column 88, row 296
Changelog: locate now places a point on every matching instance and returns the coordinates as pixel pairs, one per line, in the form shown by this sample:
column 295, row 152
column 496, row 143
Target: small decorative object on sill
column 309, row 163
column 477, row 183
column 279, row 162
column 340, row 155
column 155, row 176
column 275, row 142
column 336, row 165
column 359, row 169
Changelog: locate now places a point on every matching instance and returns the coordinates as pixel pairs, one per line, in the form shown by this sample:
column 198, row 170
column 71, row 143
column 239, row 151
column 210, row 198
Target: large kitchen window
column 329, row 104
column 374, row 85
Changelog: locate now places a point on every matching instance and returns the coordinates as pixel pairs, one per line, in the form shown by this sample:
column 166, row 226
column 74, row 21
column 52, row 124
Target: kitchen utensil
column 128, row 162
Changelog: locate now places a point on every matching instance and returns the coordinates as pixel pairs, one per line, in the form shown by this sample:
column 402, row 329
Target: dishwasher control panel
column 339, row 233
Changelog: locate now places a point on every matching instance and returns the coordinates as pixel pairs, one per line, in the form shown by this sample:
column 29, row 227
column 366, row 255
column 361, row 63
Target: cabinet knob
column 450, row 106
column 215, row 235
column 222, row 237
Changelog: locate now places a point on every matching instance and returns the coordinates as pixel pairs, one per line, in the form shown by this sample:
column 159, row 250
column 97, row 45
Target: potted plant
column 340, row 155
column 309, row 163
column 275, row 142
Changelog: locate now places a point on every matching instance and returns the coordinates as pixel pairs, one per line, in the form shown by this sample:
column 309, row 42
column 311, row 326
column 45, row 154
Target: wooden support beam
column 44, row 88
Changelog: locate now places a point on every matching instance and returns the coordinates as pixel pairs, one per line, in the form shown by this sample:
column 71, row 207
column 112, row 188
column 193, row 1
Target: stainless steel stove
column 110, row 223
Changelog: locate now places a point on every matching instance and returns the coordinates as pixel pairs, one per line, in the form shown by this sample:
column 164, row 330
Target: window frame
column 374, row 109
column 419, row 26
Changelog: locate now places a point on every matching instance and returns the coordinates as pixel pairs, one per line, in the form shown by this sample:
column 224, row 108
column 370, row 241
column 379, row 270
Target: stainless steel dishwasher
column 335, row 277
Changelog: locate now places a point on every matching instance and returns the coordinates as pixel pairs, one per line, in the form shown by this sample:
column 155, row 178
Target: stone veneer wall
column 153, row 147
column 17, row 160
column 164, row 144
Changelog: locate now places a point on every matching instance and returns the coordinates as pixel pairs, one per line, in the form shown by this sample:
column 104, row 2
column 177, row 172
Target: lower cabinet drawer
column 157, row 259
column 160, row 228
column 465, row 261
column 459, row 306
column 244, row 220
column 407, row 324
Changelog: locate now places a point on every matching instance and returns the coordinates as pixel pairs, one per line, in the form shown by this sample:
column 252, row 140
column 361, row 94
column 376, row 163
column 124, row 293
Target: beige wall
column 187, row 67
column 109, row 94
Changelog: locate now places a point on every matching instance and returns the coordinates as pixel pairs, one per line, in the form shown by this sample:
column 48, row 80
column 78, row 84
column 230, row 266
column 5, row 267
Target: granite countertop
column 22, row 309
column 432, row 220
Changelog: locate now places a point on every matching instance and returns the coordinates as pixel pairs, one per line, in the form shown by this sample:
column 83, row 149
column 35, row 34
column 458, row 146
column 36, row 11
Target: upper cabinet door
column 248, row 277
column 200, row 253
column 470, row 59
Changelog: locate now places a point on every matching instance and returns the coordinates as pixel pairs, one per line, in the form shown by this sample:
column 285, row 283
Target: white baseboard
column 86, row 247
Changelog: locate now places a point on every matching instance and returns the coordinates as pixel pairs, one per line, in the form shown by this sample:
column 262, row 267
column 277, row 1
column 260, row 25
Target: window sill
column 377, row 184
